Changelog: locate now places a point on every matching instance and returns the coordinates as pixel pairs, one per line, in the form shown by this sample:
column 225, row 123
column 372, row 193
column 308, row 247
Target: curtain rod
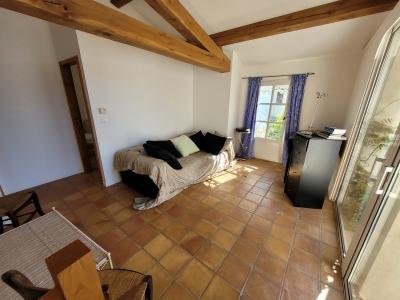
column 286, row 75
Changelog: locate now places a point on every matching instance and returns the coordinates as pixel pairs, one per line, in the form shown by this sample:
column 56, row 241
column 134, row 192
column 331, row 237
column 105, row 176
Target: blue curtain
column 296, row 94
column 250, row 117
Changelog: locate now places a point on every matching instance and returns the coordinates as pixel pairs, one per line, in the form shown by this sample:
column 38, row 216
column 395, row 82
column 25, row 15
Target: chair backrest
column 22, row 285
column 74, row 273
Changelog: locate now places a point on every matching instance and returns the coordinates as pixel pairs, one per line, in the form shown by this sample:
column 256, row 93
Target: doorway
column 81, row 116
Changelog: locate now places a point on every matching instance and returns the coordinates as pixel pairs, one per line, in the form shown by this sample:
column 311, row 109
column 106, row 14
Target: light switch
column 102, row 110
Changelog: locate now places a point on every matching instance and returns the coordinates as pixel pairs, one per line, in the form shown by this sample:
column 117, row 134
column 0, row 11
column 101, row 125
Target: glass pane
column 378, row 267
column 261, row 128
column 277, row 113
column 262, row 112
column 274, row 131
column 376, row 136
column 280, row 94
column 265, row 94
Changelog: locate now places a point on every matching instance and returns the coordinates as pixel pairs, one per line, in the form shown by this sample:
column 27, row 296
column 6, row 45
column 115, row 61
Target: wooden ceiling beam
column 95, row 18
column 120, row 3
column 315, row 16
column 179, row 18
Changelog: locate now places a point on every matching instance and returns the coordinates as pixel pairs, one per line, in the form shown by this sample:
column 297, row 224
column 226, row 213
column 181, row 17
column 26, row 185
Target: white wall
column 211, row 92
column 333, row 74
column 37, row 142
column 147, row 96
column 366, row 65
column 64, row 40
column 216, row 98
column 235, row 93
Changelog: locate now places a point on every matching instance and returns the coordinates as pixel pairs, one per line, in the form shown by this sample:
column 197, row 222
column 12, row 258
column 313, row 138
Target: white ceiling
column 343, row 37
column 217, row 15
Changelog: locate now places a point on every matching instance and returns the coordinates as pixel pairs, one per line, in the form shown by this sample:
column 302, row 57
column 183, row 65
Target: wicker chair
column 117, row 284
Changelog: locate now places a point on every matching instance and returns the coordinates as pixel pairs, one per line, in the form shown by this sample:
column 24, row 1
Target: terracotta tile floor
column 233, row 237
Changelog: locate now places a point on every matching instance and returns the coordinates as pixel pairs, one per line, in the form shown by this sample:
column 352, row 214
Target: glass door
column 369, row 163
column 375, row 269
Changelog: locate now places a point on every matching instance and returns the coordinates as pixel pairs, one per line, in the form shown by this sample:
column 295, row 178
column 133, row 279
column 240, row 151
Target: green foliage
column 275, row 129
column 379, row 135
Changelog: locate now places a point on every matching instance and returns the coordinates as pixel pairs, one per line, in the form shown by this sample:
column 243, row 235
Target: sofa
column 158, row 181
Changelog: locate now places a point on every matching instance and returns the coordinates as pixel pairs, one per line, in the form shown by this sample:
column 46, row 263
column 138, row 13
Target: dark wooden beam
column 93, row 17
column 315, row 16
column 120, row 3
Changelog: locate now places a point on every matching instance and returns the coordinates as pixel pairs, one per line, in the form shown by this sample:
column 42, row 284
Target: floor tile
column 253, row 235
column 282, row 232
column 296, row 294
column 196, row 277
column 112, row 208
column 234, row 272
column 254, row 197
column 141, row 262
column 210, row 200
column 175, row 259
column 143, row 236
column 211, row 255
column 177, row 291
column 161, row 222
column 248, row 205
column 219, row 289
column 224, row 239
column 260, row 224
column 158, row 246
column 271, row 268
column 306, row 262
column 329, row 293
column 331, row 275
column 266, row 212
column 205, row 228
column 192, row 242
column 241, row 215
column 277, row 248
column 110, row 238
column 122, row 215
column 246, row 251
column 161, row 280
column 330, row 238
column 307, row 243
column 175, row 231
column 132, row 225
column 233, row 226
column 258, row 287
column 298, row 280
column 122, row 250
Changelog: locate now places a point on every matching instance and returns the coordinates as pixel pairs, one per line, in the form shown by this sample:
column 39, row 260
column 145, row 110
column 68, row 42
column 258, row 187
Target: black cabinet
column 311, row 163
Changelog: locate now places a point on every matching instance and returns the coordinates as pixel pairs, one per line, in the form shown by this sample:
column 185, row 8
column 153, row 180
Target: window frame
column 273, row 83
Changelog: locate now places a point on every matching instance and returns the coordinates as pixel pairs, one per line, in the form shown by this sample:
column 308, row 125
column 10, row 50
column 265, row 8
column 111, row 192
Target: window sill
column 268, row 140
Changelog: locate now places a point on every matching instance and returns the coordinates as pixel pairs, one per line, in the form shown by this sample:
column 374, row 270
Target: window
column 271, row 109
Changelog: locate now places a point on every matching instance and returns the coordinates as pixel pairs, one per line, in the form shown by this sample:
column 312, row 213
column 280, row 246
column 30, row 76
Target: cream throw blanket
column 197, row 167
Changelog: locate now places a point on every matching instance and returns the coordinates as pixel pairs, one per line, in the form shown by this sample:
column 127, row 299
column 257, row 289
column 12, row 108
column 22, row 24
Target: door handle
column 387, row 171
column 372, row 175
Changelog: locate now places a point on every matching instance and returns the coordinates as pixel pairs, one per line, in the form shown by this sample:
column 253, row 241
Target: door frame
column 370, row 216
column 356, row 129
column 66, row 74
column 375, row 202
